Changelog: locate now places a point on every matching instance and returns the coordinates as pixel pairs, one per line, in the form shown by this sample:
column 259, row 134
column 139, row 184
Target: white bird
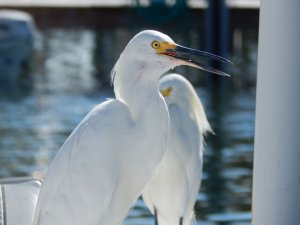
column 172, row 192
column 101, row 169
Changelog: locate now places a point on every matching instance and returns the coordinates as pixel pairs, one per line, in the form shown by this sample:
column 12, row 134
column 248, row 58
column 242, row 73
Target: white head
column 149, row 46
column 159, row 51
column 178, row 91
column 147, row 56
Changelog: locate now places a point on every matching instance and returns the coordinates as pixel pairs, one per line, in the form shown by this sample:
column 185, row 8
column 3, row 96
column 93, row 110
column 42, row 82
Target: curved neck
column 136, row 84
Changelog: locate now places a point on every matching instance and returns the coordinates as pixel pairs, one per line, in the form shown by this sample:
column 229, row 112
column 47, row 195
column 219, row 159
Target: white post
column 276, row 185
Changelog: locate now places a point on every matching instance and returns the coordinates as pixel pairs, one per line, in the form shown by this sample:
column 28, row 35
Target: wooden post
column 276, row 185
column 216, row 36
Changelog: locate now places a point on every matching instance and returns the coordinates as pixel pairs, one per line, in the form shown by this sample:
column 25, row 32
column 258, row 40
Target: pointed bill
column 186, row 55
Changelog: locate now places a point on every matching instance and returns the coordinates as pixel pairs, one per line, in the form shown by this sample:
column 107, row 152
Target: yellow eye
column 155, row 44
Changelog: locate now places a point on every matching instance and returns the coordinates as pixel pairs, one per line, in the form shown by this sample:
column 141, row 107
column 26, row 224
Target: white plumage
column 172, row 193
column 105, row 163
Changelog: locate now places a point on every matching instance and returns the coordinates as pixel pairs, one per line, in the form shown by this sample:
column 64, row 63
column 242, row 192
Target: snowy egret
column 105, row 163
column 172, row 192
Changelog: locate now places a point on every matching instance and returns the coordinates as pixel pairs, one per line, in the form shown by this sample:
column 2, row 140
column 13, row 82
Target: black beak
column 186, row 54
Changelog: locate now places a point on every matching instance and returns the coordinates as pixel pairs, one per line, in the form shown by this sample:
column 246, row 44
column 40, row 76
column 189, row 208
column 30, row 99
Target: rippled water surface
column 69, row 72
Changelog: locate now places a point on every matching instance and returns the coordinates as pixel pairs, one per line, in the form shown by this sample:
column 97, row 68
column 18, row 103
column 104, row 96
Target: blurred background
column 55, row 61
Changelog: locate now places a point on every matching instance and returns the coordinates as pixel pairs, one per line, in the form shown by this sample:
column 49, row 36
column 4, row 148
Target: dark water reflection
column 68, row 80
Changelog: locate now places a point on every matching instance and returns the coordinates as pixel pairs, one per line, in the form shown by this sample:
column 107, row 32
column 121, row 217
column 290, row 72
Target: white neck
column 136, row 84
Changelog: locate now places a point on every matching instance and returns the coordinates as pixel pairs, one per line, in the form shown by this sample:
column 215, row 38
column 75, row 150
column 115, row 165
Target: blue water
column 68, row 74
